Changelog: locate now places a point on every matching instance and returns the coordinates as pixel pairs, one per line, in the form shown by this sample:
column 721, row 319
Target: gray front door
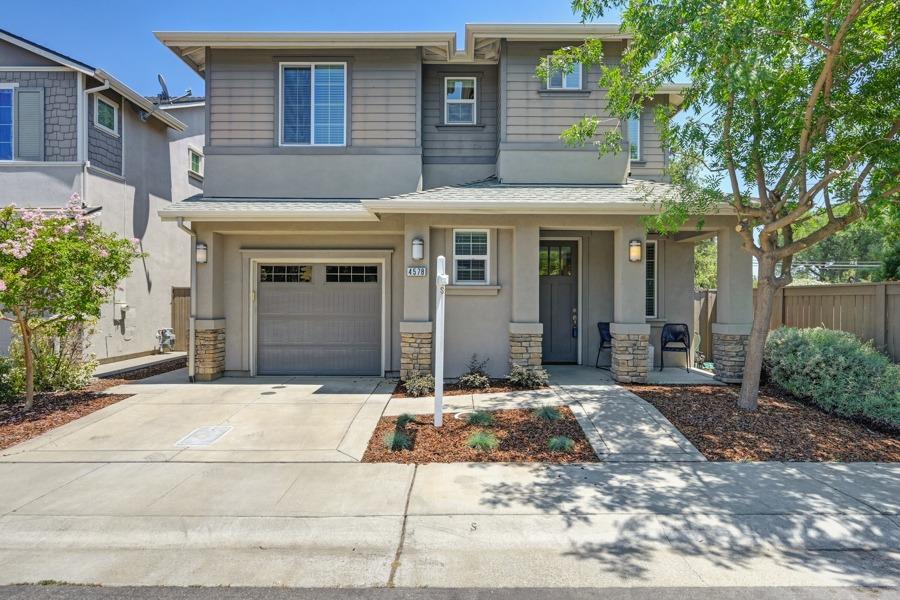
column 559, row 300
column 318, row 319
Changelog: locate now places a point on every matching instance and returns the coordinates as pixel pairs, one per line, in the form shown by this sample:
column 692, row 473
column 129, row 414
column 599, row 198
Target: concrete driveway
column 264, row 419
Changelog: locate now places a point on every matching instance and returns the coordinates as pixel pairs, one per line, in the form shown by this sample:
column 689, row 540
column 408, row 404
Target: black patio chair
column 675, row 337
column 605, row 342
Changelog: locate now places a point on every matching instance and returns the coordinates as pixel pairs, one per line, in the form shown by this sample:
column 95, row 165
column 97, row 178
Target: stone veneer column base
column 209, row 353
column 729, row 349
column 630, row 343
column 415, row 348
column 526, row 345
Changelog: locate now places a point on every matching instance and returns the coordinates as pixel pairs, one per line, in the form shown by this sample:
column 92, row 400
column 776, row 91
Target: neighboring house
column 340, row 165
column 67, row 127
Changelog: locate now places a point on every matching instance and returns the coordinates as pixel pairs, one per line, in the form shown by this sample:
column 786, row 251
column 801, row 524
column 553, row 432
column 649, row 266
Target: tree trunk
column 29, row 367
column 762, row 316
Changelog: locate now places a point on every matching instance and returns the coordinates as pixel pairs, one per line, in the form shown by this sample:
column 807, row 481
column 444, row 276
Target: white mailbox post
column 441, row 280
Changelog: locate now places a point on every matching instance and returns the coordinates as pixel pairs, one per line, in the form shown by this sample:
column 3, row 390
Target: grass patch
column 405, row 419
column 560, row 443
column 548, row 413
column 484, row 441
column 396, row 441
column 480, row 417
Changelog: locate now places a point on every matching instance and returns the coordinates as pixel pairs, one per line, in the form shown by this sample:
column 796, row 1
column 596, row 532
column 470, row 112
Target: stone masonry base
column 729, row 355
column 415, row 353
column 629, row 357
column 525, row 349
column 209, row 352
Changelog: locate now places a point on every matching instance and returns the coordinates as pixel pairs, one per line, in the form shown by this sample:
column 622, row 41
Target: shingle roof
column 262, row 209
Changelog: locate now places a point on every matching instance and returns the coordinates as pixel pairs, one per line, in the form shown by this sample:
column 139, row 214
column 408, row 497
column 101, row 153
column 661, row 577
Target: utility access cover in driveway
column 204, row 436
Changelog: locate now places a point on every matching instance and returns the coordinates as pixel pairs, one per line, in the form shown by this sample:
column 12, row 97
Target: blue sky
column 118, row 36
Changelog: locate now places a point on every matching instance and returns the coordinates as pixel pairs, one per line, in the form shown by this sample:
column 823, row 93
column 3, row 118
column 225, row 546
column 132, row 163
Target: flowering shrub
column 57, row 268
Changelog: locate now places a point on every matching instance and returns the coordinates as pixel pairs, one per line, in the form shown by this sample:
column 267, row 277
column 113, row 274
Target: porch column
column 734, row 307
column 416, row 326
column 209, row 337
column 630, row 331
column 525, row 329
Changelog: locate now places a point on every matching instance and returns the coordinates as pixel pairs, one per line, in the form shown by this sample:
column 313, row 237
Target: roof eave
column 173, row 214
column 139, row 100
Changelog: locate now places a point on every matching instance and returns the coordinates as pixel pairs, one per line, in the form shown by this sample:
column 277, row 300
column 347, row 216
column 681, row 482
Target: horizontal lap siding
column 652, row 151
column 466, row 143
column 242, row 87
column 383, row 98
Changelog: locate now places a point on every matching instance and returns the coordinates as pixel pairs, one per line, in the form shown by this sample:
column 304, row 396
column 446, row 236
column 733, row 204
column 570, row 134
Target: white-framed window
column 650, row 277
column 7, row 120
column 460, row 95
column 634, row 138
column 557, row 79
column 106, row 115
column 471, row 256
column 195, row 161
column 313, row 104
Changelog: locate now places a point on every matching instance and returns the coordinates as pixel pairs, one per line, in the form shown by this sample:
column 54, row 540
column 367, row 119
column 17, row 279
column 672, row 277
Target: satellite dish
column 164, row 94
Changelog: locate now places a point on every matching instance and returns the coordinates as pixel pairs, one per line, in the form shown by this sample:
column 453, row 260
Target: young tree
column 56, row 269
column 796, row 98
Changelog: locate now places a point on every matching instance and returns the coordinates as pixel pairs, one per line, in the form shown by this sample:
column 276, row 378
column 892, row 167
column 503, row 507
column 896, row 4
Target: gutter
column 192, row 320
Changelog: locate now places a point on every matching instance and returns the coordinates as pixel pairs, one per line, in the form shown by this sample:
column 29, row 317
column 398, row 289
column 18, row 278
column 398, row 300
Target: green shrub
column 8, row 392
column 483, row 441
column 396, row 440
column 837, row 372
column 405, row 419
column 528, row 378
column 59, row 361
column 480, row 417
column 475, row 377
column 561, row 443
column 548, row 413
column 419, row 384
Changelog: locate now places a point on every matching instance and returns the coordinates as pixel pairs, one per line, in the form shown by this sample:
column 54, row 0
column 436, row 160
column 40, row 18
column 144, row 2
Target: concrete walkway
column 459, row 525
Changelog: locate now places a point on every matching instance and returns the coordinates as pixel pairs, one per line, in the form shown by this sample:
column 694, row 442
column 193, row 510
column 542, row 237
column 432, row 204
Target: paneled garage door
column 319, row 319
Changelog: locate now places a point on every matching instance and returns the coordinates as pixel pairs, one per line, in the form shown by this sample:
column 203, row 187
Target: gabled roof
column 199, row 208
column 99, row 74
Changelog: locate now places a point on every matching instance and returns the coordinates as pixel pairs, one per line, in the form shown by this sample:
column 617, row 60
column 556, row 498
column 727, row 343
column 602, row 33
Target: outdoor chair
column 605, row 342
column 675, row 337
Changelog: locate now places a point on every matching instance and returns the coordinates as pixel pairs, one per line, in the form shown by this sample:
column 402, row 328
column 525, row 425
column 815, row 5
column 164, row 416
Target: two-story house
column 339, row 166
column 69, row 128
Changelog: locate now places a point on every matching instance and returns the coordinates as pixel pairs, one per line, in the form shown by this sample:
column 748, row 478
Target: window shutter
column 29, row 124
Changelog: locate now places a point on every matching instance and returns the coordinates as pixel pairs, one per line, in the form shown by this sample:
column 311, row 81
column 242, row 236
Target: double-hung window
column 559, row 79
column 650, row 277
column 196, row 161
column 471, row 256
column 7, row 107
column 634, row 138
column 313, row 104
column 459, row 100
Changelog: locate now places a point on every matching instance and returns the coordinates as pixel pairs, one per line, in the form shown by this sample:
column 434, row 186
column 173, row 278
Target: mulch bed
column 523, row 438
column 781, row 429
column 452, row 389
column 52, row 410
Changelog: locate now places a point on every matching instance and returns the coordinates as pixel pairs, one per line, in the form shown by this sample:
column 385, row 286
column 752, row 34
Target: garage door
column 319, row 319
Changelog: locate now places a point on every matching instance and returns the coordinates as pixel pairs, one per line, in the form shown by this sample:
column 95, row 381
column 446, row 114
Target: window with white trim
column 634, row 138
column 471, row 256
column 313, row 101
column 106, row 115
column 460, row 100
column 7, row 119
column 650, row 277
column 195, row 164
column 559, row 79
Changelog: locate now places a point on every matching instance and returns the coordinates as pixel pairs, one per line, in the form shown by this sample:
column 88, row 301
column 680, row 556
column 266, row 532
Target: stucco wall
column 184, row 183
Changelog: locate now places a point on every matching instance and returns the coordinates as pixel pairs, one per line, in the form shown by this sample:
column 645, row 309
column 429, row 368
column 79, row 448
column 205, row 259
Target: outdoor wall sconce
column 418, row 249
column 201, row 251
column 635, row 249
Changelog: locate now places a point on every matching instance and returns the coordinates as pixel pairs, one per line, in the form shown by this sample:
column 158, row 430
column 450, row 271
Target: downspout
column 85, row 163
column 192, row 319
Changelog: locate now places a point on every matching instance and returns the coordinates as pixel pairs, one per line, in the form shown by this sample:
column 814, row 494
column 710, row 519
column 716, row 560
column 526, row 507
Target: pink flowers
column 23, row 271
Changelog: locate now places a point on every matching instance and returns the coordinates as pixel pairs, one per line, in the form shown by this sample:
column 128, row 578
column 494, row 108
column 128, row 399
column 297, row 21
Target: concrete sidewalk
column 457, row 525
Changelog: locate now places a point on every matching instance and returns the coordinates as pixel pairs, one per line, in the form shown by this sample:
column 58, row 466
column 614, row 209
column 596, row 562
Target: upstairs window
column 470, row 256
column 313, row 104
column 557, row 79
column 459, row 100
column 634, row 138
column 7, row 102
column 106, row 115
column 196, row 161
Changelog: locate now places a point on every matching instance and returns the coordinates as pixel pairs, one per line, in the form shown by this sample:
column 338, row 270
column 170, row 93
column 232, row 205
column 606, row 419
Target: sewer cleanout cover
column 204, row 436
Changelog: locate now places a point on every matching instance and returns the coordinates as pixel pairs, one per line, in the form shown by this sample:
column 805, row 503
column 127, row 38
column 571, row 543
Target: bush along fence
column 870, row 311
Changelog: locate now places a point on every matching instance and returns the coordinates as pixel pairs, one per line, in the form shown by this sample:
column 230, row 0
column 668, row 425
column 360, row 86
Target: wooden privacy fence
column 871, row 311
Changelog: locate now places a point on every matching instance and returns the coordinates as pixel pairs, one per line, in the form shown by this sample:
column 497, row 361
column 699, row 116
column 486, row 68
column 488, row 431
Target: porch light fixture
column 635, row 249
column 201, row 252
column 418, row 249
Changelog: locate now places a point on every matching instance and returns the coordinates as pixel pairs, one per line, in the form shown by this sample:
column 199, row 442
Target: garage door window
column 285, row 273
column 351, row 274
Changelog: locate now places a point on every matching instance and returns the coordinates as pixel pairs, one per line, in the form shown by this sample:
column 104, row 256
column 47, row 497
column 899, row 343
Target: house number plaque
column 416, row 271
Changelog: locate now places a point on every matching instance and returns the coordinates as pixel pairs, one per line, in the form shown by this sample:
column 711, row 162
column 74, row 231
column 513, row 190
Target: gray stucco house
column 67, row 127
column 340, row 165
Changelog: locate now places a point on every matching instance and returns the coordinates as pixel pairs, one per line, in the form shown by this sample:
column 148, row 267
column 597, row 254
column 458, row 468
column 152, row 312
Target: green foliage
column 890, row 264
column 483, row 441
column 405, row 419
column 705, row 265
column 475, row 377
column 863, row 240
column 396, row 440
column 419, row 384
column 480, row 417
column 561, row 443
column 8, row 392
column 548, row 413
column 837, row 372
column 59, row 361
column 528, row 378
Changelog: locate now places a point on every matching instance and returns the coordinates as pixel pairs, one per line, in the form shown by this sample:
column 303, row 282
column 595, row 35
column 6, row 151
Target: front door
column 559, row 300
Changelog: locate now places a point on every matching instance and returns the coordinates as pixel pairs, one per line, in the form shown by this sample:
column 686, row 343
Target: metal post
column 441, row 281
